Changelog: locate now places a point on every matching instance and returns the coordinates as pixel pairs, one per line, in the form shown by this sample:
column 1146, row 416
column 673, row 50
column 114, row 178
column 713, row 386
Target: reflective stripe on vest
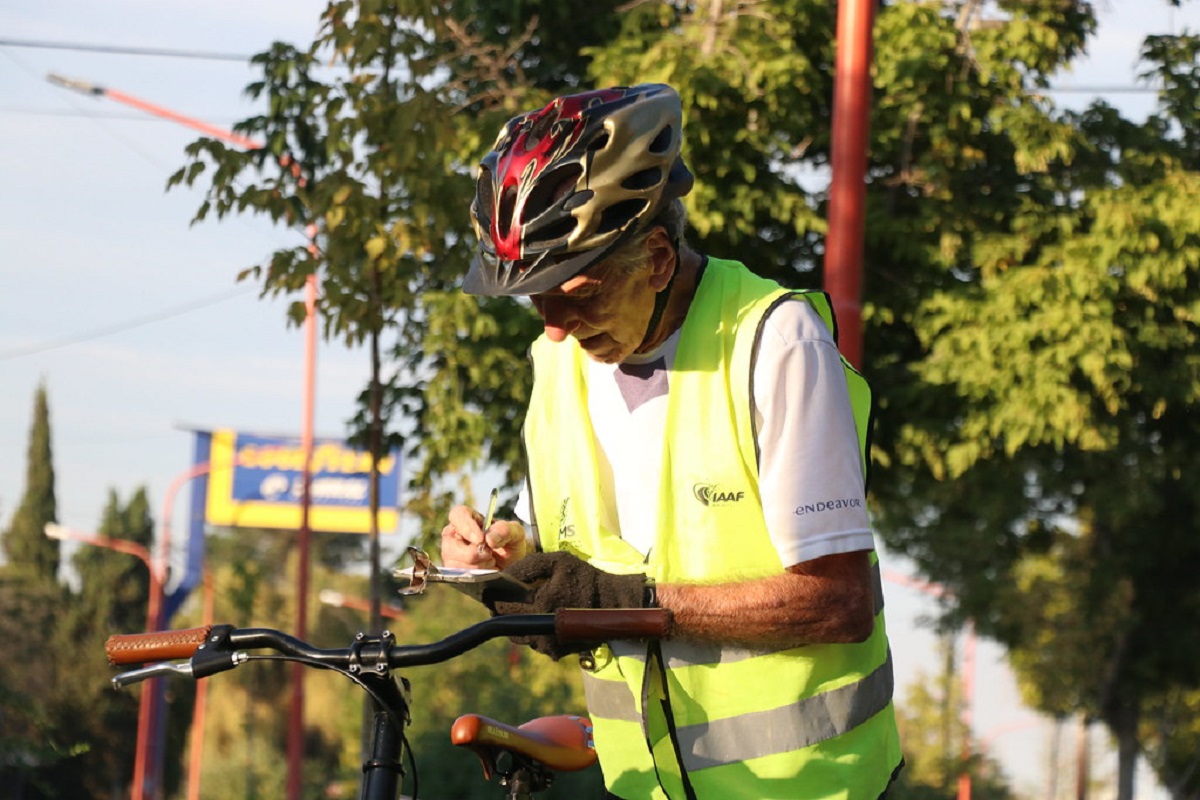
column 808, row 722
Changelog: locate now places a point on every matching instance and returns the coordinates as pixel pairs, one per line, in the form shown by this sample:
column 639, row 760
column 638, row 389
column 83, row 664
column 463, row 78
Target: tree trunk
column 1124, row 728
column 1052, row 764
column 1081, row 760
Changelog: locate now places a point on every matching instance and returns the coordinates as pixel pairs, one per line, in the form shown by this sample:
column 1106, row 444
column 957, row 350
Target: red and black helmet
column 565, row 185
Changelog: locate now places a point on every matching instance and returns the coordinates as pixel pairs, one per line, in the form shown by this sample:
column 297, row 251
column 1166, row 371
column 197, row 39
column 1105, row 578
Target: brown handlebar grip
column 142, row 648
column 589, row 624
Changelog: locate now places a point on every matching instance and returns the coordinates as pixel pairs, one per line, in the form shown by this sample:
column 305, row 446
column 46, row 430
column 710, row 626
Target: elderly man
column 695, row 441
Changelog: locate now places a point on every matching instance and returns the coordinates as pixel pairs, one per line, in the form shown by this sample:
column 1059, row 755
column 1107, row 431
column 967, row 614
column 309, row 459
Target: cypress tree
column 25, row 543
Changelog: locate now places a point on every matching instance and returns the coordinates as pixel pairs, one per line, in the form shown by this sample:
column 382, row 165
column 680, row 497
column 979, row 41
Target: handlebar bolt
column 380, row 667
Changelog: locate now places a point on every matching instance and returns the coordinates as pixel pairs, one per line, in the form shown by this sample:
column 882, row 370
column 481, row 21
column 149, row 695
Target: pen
column 487, row 521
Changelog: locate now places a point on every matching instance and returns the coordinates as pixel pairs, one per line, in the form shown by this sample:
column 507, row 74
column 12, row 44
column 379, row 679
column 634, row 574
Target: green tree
column 39, row 743
column 368, row 159
column 756, row 83
column 25, row 542
column 932, row 734
column 1171, row 736
column 66, row 732
column 1044, row 418
column 113, row 595
column 377, row 157
column 34, row 742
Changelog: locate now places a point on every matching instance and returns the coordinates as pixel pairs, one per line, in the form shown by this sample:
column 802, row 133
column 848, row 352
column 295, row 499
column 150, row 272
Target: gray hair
column 631, row 255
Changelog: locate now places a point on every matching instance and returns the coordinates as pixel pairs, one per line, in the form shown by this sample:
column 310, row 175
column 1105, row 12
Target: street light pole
column 848, row 160
column 295, row 738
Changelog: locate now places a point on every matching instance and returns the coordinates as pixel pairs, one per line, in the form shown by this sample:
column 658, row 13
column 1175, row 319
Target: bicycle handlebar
column 567, row 624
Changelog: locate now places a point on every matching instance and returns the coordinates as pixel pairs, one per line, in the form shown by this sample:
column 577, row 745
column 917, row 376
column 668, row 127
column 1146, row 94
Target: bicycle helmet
column 563, row 186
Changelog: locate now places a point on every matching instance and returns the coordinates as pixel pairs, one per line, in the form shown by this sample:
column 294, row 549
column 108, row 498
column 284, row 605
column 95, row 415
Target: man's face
column 605, row 308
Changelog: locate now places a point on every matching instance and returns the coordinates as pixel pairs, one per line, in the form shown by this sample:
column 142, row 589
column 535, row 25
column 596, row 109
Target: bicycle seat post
column 521, row 784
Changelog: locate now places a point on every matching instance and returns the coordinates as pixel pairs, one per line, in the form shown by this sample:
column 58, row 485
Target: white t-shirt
column 810, row 470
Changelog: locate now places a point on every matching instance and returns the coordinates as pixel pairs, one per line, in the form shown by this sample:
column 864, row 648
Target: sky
column 133, row 320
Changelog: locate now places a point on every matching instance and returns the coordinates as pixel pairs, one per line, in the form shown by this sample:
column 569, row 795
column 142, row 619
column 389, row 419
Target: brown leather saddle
column 562, row 743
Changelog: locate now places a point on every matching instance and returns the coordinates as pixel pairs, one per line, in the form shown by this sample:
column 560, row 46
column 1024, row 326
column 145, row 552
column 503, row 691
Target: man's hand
column 560, row 580
column 465, row 544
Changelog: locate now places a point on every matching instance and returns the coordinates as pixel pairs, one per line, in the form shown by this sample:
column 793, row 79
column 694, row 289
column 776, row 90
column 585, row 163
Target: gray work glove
column 560, row 580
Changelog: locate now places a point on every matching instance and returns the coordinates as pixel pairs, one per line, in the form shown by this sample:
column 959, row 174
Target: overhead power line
column 121, row 327
column 121, row 50
column 1102, row 89
column 210, row 56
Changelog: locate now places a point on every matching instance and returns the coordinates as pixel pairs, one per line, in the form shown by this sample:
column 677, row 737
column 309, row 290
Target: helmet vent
column 485, row 198
column 504, row 215
column 580, row 198
column 554, row 233
column 662, row 142
column 618, row 215
column 552, row 187
column 643, row 179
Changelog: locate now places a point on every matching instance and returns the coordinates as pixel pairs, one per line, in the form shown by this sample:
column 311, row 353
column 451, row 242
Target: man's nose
column 558, row 318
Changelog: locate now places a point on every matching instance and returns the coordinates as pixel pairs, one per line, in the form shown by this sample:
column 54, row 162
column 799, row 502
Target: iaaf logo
column 710, row 495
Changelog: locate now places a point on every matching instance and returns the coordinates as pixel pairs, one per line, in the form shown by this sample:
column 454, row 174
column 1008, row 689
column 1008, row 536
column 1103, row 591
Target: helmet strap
column 662, row 298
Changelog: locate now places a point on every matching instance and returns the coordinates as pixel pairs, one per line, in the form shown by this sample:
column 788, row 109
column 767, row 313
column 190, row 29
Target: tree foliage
column 40, row 746
column 64, row 731
column 1171, row 736
column 368, row 158
column 1036, row 432
column 25, row 543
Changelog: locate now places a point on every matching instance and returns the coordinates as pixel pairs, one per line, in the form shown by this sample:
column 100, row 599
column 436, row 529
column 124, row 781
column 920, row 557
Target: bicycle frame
column 369, row 662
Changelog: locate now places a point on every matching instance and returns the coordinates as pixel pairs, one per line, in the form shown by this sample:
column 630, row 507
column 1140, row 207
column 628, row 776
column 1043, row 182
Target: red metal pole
column 968, row 690
column 196, row 756
column 968, row 675
column 848, row 158
column 145, row 783
column 148, row 763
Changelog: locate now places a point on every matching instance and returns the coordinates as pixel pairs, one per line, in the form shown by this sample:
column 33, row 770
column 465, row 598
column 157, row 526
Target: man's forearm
column 826, row 603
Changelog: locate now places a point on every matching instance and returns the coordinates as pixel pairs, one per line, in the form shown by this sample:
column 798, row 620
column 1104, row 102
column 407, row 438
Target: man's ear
column 663, row 258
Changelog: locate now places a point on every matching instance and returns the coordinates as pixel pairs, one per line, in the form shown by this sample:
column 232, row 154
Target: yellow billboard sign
column 257, row 482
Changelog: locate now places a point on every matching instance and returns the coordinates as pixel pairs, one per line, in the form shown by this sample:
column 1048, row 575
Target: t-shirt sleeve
column 524, row 514
column 810, row 469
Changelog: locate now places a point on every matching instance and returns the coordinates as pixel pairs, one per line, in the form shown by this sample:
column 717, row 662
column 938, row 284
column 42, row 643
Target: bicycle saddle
column 562, row 742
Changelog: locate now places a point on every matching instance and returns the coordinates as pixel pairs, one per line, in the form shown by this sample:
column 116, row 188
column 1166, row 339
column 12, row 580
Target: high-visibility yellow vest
column 708, row 720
